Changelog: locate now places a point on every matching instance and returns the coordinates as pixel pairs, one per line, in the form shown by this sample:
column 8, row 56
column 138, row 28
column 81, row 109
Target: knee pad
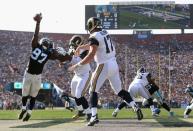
column 125, row 96
column 94, row 99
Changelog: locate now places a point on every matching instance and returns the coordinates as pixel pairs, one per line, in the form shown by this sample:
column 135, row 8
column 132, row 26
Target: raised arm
column 93, row 46
column 85, row 47
column 37, row 18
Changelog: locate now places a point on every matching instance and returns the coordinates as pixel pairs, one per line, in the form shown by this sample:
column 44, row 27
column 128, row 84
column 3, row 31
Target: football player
column 102, row 50
column 81, row 79
column 140, row 86
column 189, row 90
column 41, row 51
column 157, row 95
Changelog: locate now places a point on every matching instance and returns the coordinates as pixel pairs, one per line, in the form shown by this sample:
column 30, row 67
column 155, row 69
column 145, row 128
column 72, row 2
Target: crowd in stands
column 169, row 58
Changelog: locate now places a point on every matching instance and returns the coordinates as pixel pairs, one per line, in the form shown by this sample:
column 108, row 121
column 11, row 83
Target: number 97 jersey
column 106, row 49
column 38, row 58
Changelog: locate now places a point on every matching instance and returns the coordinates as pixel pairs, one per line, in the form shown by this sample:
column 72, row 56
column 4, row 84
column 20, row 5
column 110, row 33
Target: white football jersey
column 80, row 69
column 141, row 78
column 106, row 49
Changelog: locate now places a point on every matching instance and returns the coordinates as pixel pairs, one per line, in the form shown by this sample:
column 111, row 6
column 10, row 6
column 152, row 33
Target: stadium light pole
column 169, row 81
column 126, row 66
column 159, row 69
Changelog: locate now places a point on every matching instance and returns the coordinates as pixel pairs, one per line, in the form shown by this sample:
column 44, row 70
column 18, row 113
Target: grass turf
column 50, row 114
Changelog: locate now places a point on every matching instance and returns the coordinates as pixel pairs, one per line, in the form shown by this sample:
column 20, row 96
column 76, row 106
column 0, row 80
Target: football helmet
column 75, row 41
column 46, row 43
column 93, row 23
column 141, row 70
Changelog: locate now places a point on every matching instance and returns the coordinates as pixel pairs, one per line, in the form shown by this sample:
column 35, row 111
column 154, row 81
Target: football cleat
column 26, row 118
column 94, row 120
column 114, row 114
column 156, row 112
column 79, row 114
column 21, row 114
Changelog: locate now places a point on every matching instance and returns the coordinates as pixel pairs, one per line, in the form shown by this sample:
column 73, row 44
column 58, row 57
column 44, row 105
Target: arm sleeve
column 93, row 41
column 83, row 54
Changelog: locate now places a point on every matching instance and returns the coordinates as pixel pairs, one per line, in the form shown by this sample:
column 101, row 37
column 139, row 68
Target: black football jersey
column 152, row 88
column 189, row 90
column 38, row 58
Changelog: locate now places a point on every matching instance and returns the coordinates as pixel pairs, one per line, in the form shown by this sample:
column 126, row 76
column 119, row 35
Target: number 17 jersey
column 38, row 58
column 106, row 49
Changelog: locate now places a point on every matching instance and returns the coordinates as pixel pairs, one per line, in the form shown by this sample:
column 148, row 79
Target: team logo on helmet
column 75, row 41
column 93, row 23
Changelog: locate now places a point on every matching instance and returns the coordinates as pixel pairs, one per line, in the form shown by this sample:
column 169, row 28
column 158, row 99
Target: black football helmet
column 93, row 23
column 46, row 43
column 141, row 70
column 75, row 41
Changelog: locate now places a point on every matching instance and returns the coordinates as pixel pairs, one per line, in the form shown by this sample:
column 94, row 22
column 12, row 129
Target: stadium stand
column 131, row 54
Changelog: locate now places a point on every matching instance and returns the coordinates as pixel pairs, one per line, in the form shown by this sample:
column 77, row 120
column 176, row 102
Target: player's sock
column 187, row 112
column 152, row 107
column 127, row 98
column 79, row 104
column 24, row 101
column 188, row 109
column 94, row 111
column 117, row 110
column 29, row 111
column 32, row 103
column 94, row 101
column 165, row 106
column 121, row 105
column 85, row 105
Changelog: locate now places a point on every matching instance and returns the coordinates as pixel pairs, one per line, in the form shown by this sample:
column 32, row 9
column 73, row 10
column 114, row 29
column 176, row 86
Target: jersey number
column 108, row 43
column 36, row 53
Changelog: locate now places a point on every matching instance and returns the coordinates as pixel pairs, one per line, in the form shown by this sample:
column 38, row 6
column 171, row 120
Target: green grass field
column 60, row 119
column 49, row 114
